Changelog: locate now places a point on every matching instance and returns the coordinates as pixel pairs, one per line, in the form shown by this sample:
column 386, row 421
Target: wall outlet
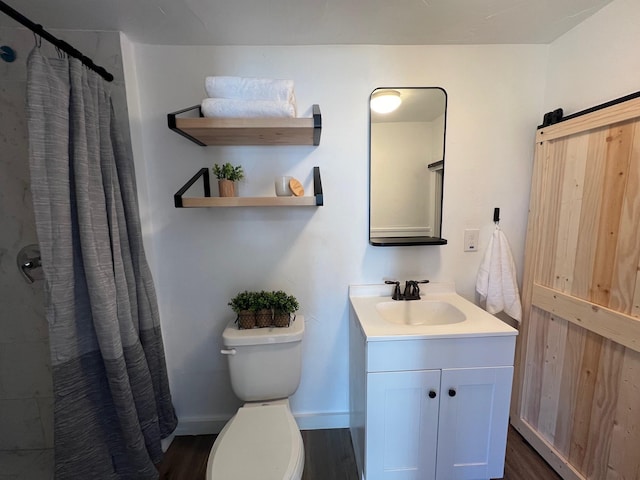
column 471, row 237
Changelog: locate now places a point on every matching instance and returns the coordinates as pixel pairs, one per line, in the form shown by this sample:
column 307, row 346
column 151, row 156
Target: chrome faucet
column 412, row 290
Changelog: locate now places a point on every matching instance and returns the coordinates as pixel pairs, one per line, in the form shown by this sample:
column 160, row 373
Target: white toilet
column 262, row 440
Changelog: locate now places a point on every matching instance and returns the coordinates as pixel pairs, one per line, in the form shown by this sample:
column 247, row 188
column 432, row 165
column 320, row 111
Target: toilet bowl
column 262, row 441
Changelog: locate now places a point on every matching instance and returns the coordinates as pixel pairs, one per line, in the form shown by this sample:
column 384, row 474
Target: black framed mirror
column 407, row 129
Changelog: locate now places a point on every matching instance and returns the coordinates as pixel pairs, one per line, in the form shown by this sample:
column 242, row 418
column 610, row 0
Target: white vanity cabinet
column 430, row 408
column 437, row 424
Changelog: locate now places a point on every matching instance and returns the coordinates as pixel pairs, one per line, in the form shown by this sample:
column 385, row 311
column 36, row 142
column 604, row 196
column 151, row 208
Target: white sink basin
column 441, row 313
column 420, row 312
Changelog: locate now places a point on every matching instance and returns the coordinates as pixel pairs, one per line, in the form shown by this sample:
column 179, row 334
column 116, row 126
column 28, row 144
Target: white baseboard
column 306, row 421
column 322, row 421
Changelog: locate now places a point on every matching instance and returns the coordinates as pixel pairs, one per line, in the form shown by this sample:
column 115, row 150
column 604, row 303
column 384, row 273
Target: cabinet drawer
column 389, row 356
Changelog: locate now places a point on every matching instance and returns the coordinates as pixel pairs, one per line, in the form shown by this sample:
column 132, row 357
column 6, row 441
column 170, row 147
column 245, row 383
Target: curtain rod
column 61, row 44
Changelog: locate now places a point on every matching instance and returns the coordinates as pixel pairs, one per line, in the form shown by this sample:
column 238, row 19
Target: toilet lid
column 260, row 442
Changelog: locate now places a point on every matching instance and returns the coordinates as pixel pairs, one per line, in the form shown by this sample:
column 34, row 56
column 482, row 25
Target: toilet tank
column 264, row 363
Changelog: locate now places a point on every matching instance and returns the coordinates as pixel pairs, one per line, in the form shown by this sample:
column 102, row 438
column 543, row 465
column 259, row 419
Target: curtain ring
column 37, row 39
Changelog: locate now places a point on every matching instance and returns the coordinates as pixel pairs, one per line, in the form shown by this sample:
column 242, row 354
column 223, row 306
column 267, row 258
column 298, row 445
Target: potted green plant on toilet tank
column 242, row 304
column 264, row 309
column 284, row 306
column 262, row 306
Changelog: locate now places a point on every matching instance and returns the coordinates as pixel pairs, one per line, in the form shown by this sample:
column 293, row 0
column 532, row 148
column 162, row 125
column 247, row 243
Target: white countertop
column 478, row 323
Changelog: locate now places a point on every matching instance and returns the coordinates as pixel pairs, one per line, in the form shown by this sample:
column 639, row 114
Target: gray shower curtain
column 112, row 400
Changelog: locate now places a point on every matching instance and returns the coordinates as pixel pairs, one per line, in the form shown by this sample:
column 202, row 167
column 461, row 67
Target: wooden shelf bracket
column 208, row 201
column 206, row 131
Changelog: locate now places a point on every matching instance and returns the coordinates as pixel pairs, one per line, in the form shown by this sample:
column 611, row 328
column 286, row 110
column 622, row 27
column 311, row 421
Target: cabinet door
column 402, row 425
column 474, row 416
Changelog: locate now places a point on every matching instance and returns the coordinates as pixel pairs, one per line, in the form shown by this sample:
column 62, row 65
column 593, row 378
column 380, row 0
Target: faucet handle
column 397, row 295
column 412, row 290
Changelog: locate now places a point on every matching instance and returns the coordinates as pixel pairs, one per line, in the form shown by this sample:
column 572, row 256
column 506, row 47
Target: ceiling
column 315, row 22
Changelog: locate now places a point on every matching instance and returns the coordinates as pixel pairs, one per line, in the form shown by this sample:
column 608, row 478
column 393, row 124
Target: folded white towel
column 228, row 108
column 247, row 88
column 496, row 282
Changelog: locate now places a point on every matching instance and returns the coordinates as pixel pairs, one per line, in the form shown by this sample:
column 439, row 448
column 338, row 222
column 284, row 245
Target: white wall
column 597, row 61
column 202, row 257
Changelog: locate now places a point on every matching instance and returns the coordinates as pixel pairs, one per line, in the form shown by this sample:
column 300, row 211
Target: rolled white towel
column 229, row 108
column 248, row 88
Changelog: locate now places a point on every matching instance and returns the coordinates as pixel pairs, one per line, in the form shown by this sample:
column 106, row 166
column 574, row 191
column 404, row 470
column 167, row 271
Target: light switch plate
column 471, row 237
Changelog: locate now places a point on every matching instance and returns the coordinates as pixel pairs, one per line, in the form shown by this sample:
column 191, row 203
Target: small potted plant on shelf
column 242, row 304
column 227, row 175
column 283, row 307
column 262, row 306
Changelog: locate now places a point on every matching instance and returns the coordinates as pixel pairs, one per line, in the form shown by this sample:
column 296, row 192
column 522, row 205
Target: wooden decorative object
column 227, row 188
column 296, row 187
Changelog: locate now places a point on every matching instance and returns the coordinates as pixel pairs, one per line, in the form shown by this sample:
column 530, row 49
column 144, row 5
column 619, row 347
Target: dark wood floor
column 329, row 455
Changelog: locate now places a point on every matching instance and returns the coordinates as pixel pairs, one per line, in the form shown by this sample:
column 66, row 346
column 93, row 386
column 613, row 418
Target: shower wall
column 26, row 394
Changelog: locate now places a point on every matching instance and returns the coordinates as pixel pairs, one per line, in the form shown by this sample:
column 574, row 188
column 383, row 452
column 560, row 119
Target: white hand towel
column 227, row 108
column 496, row 282
column 247, row 88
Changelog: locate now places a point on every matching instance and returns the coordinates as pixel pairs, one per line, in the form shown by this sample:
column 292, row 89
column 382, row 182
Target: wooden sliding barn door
column 577, row 395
